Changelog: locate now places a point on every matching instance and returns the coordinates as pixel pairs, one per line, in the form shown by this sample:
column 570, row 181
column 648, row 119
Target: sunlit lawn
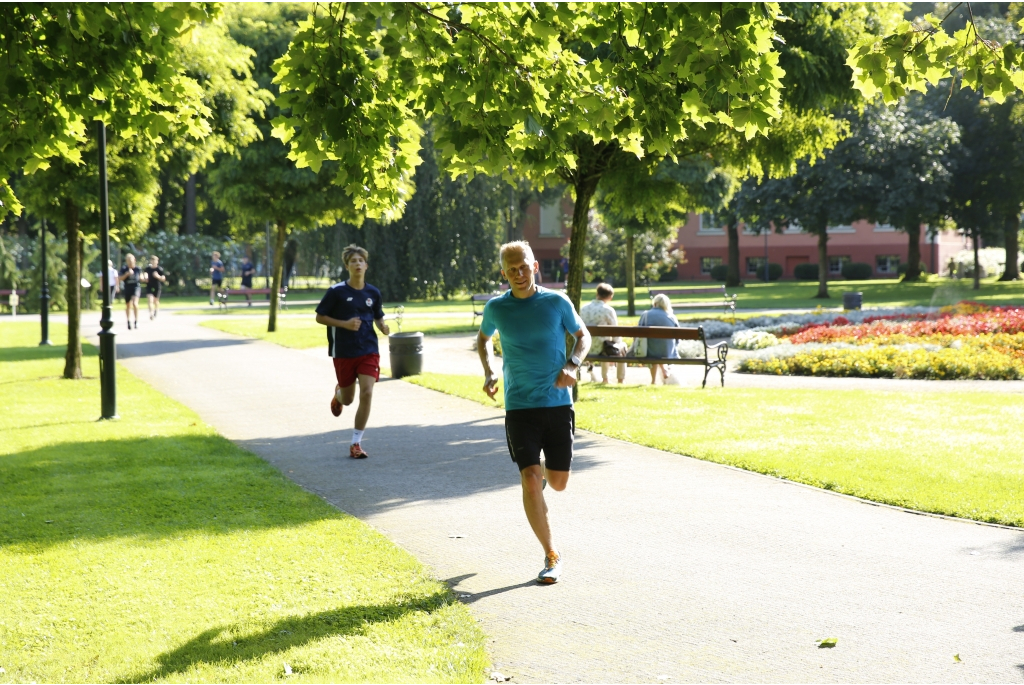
column 152, row 549
column 949, row 453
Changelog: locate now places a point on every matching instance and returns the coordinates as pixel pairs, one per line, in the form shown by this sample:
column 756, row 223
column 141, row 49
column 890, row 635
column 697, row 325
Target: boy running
column 349, row 310
column 131, row 277
column 533, row 321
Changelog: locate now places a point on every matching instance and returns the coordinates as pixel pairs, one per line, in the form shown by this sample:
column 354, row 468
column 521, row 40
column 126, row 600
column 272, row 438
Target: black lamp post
column 108, row 352
column 44, row 293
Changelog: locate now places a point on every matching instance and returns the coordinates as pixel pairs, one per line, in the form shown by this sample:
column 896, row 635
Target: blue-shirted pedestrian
column 533, row 322
column 350, row 310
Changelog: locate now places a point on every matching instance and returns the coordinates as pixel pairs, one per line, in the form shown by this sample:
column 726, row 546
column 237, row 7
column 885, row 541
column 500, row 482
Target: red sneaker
column 336, row 401
column 356, row 452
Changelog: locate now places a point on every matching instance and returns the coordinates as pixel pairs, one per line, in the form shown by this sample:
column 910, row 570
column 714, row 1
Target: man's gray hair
column 516, row 246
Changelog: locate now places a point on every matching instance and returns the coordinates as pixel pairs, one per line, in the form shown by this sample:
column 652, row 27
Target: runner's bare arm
column 382, row 326
column 486, row 351
column 567, row 378
column 352, row 324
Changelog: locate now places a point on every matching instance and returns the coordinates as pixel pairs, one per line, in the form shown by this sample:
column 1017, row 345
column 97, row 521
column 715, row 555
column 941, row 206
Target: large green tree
column 560, row 93
column 259, row 183
column 66, row 65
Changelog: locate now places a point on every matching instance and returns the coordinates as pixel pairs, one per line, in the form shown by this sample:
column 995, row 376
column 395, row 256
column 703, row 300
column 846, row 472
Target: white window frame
column 794, row 227
column 759, row 269
column 885, row 228
column 551, row 215
column 889, row 270
column 707, row 272
column 842, row 259
column 702, row 229
column 841, row 228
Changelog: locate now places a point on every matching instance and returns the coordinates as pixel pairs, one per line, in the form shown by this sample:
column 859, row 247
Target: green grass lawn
column 306, row 333
column 151, row 549
column 949, row 453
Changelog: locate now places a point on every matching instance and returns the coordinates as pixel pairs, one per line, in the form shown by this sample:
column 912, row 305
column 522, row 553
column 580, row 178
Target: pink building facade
column 704, row 244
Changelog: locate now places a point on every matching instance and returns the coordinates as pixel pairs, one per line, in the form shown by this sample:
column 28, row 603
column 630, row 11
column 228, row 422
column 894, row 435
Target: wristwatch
column 575, row 361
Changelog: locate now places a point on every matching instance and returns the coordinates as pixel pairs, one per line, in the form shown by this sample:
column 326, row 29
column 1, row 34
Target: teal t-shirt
column 532, row 345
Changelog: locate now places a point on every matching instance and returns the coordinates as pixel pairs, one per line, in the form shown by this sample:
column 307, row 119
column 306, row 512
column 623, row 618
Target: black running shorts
column 551, row 429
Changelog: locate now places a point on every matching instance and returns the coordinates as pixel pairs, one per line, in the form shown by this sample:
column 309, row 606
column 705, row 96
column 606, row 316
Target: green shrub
column 720, row 272
column 774, row 272
column 806, row 272
column 857, row 271
column 902, row 268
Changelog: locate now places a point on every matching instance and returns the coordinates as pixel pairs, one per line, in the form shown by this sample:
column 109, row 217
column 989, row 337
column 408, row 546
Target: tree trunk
column 282, row 231
column 190, row 205
column 822, row 265
column 578, row 246
column 73, row 356
column 977, row 268
column 630, row 273
column 732, row 277
column 1011, row 231
column 913, row 252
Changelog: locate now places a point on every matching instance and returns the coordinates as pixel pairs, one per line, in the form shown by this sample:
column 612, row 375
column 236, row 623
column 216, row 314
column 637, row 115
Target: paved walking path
column 675, row 569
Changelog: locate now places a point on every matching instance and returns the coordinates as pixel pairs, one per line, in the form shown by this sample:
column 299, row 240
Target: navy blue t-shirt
column 344, row 302
column 217, row 276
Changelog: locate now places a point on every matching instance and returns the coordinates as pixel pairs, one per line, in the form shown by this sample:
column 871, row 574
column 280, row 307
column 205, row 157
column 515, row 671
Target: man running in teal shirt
column 532, row 322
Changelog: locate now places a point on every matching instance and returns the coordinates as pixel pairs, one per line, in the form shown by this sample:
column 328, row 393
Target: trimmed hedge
column 774, row 272
column 720, row 272
column 857, row 271
column 807, row 271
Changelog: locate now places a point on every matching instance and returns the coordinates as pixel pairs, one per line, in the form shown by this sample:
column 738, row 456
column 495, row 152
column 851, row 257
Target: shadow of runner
column 223, row 645
column 155, row 348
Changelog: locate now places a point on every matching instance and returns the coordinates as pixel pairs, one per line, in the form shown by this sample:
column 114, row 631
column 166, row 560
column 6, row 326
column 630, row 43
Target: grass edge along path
column 920, row 451
column 303, row 334
column 152, row 549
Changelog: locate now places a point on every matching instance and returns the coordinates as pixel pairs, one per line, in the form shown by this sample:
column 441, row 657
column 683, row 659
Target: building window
column 755, row 266
column 887, row 263
column 709, row 225
column 794, row 227
column 842, row 228
column 551, row 220
column 885, row 228
column 835, row 265
column 709, row 263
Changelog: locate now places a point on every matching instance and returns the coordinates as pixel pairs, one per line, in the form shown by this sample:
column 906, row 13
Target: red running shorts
column 348, row 368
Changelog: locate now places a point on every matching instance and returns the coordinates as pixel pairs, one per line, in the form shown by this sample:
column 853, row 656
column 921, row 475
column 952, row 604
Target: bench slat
column 720, row 289
column 661, row 332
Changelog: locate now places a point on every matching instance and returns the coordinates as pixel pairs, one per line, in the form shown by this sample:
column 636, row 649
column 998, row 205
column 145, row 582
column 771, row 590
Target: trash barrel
column 406, row 354
column 852, row 300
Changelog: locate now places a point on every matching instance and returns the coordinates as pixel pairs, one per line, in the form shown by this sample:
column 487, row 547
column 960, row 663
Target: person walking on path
column 131, row 277
column 660, row 315
column 115, row 283
column 533, row 322
column 350, row 310
column 155, row 280
column 248, row 270
column 216, row 275
column 601, row 313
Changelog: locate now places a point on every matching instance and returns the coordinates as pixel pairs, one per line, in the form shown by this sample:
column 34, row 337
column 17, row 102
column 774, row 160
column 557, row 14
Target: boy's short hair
column 354, row 249
column 604, row 291
column 516, row 246
column 216, row 254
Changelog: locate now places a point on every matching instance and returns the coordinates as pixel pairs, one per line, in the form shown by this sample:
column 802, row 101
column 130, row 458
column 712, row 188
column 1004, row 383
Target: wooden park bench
column 13, row 299
column 550, row 286
column 223, row 295
column 714, row 355
column 482, row 299
column 722, row 301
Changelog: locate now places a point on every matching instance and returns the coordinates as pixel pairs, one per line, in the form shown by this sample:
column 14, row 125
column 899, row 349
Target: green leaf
column 827, row 643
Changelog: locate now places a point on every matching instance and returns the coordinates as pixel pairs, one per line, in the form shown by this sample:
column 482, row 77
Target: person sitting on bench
column 600, row 313
column 660, row 315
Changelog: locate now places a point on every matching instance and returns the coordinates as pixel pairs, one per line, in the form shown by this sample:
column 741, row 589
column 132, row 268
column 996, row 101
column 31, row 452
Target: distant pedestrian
column 216, row 275
column 563, row 267
column 112, row 277
column 601, row 313
column 131, row 278
column 248, row 271
column 350, row 310
column 154, row 278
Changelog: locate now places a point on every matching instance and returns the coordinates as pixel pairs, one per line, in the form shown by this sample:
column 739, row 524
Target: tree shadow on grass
column 147, row 487
column 36, row 353
column 222, row 645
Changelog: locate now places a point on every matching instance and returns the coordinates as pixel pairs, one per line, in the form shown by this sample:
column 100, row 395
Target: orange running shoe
column 356, row 452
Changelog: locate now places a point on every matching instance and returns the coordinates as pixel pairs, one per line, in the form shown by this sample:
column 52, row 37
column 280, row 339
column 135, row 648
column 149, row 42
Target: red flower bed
column 989, row 320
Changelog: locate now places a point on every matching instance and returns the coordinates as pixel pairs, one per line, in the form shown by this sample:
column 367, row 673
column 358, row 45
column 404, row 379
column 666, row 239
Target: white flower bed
column 752, row 340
